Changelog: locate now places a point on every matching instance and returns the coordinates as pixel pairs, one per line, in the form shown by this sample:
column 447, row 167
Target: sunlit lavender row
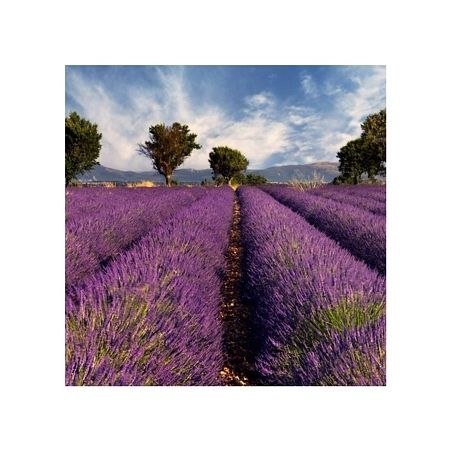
column 85, row 204
column 103, row 224
column 146, row 270
column 368, row 204
column 152, row 316
column 359, row 231
column 374, row 192
column 318, row 312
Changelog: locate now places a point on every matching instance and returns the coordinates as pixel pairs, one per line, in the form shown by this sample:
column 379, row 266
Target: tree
column 374, row 144
column 249, row 179
column 367, row 154
column 239, row 178
column 82, row 145
column 350, row 162
column 219, row 180
column 168, row 147
column 227, row 162
column 253, row 179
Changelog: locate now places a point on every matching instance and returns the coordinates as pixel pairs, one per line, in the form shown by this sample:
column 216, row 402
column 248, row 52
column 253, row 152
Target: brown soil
column 235, row 313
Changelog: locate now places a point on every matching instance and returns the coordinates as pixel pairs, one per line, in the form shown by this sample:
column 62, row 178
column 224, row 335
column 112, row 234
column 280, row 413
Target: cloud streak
column 268, row 129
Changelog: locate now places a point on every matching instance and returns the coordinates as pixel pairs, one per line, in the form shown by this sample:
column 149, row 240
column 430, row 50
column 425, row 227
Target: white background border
column 38, row 39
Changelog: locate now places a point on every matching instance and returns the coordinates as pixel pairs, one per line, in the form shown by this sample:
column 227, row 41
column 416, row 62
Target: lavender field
column 194, row 286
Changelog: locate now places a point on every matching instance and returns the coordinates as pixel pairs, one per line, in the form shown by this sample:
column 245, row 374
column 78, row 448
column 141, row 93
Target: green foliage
column 239, row 178
column 227, row 162
column 374, row 138
column 348, row 313
column 254, row 180
column 249, row 179
column 338, row 180
column 350, row 161
column 168, row 147
column 219, row 180
column 82, row 145
column 367, row 154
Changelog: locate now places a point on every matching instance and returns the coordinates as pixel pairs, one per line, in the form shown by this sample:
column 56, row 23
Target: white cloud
column 120, row 131
column 267, row 132
column 369, row 97
column 263, row 99
column 302, row 116
column 331, row 89
column 255, row 134
column 309, row 86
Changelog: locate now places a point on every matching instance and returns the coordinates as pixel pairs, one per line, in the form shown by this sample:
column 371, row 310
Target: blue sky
column 275, row 115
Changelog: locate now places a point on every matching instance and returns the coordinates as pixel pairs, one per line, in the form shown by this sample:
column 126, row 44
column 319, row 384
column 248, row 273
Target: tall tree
column 350, row 161
column 374, row 144
column 227, row 162
column 367, row 154
column 82, row 145
column 168, row 147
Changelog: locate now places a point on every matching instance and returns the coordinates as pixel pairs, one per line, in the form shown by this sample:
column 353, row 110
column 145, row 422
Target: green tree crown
column 168, row 147
column 227, row 162
column 82, row 145
column 367, row 154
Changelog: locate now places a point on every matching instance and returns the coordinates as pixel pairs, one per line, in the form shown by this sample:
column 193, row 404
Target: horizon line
column 209, row 168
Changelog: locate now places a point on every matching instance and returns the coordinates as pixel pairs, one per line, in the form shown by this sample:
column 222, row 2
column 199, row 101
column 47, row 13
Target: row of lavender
column 319, row 313
column 88, row 203
column 101, row 223
column 359, row 231
column 351, row 198
column 152, row 317
column 375, row 192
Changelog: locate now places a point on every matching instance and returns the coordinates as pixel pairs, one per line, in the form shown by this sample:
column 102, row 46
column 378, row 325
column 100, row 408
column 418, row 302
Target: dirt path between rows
column 235, row 312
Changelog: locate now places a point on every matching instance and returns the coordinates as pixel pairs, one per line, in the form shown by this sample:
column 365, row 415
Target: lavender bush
column 84, row 204
column 374, row 192
column 356, row 356
column 342, row 196
column 360, row 232
column 103, row 222
column 318, row 311
column 152, row 317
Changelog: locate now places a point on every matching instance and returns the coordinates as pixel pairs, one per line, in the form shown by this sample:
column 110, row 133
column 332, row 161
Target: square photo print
column 225, row 226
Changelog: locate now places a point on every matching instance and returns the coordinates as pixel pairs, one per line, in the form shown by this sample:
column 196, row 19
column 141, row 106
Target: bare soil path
column 235, row 311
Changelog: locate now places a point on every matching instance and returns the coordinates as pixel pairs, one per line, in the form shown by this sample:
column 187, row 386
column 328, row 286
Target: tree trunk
column 168, row 178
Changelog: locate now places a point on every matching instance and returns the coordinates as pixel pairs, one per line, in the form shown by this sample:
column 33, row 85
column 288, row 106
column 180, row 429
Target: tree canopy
column 168, row 147
column 82, row 145
column 374, row 139
column 249, row 179
column 227, row 162
column 367, row 154
column 350, row 161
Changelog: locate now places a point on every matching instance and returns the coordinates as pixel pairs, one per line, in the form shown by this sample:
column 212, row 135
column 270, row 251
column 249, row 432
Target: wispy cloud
column 369, row 96
column 263, row 99
column 331, row 89
column 267, row 129
column 309, row 86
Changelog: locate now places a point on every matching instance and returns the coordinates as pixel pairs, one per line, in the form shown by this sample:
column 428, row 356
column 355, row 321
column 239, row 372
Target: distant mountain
column 279, row 174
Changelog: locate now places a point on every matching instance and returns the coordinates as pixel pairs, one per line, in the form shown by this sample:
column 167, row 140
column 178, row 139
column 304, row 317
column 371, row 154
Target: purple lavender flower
column 308, row 293
column 360, row 232
column 103, row 222
column 152, row 317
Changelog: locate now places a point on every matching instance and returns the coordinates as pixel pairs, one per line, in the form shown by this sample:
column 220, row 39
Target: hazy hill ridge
column 327, row 170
